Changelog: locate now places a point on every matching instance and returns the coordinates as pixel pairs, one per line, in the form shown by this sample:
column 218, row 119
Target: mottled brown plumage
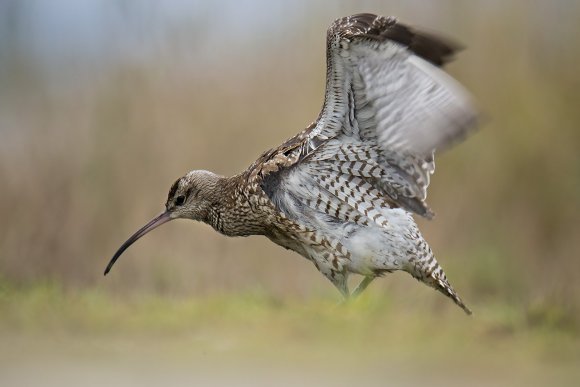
column 341, row 192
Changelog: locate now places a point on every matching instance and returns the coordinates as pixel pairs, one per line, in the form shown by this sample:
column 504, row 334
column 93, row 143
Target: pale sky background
column 69, row 35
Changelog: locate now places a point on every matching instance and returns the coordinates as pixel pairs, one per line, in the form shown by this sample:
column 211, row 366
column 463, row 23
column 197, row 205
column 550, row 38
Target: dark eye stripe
column 173, row 189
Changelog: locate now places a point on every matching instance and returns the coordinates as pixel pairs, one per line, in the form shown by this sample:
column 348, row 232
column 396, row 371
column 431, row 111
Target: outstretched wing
column 400, row 94
column 388, row 107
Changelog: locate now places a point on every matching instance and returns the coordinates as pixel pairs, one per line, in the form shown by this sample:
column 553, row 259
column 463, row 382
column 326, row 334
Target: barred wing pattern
column 387, row 109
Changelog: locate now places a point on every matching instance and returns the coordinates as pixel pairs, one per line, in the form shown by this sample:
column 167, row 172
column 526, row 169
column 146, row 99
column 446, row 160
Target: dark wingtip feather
column 433, row 48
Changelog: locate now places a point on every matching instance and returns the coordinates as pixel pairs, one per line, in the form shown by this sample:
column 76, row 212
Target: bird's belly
column 371, row 249
column 375, row 249
column 287, row 242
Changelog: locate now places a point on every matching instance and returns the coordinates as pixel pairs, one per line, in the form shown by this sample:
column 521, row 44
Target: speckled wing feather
column 388, row 107
column 400, row 93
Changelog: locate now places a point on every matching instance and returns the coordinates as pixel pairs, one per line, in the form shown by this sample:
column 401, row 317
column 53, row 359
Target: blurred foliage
column 103, row 104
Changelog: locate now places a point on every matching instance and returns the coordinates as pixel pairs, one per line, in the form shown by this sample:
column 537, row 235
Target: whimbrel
column 342, row 192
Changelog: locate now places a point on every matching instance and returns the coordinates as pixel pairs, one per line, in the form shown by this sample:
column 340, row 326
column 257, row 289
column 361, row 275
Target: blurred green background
column 104, row 103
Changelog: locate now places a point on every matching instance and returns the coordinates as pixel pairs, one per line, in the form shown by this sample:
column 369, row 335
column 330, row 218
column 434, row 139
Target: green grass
column 500, row 343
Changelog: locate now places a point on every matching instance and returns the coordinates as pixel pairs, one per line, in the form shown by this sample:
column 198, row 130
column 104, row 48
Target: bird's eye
column 179, row 200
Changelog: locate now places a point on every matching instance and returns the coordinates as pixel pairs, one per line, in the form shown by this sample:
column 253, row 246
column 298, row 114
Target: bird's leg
column 342, row 286
column 362, row 286
column 339, row 280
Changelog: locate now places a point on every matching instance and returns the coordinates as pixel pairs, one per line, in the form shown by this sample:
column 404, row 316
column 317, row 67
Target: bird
column 343, row 193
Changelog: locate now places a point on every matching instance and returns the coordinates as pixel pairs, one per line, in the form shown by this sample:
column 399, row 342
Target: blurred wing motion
column 388, row 107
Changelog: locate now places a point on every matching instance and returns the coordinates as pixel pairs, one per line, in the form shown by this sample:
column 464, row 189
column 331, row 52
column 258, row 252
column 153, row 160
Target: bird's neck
column 231, row 213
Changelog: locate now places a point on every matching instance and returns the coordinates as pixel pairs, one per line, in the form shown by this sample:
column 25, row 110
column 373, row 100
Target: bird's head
column 190, row 197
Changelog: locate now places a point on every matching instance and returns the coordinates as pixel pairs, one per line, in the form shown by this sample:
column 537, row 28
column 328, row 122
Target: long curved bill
column 153, row 224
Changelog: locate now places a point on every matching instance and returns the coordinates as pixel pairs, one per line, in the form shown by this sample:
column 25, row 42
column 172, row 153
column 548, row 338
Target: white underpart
column 375, row 248
column 371, row 247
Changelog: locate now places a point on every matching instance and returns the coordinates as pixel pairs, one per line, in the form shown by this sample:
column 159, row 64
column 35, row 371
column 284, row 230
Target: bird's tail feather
column 444, row 287
column 433, row 275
